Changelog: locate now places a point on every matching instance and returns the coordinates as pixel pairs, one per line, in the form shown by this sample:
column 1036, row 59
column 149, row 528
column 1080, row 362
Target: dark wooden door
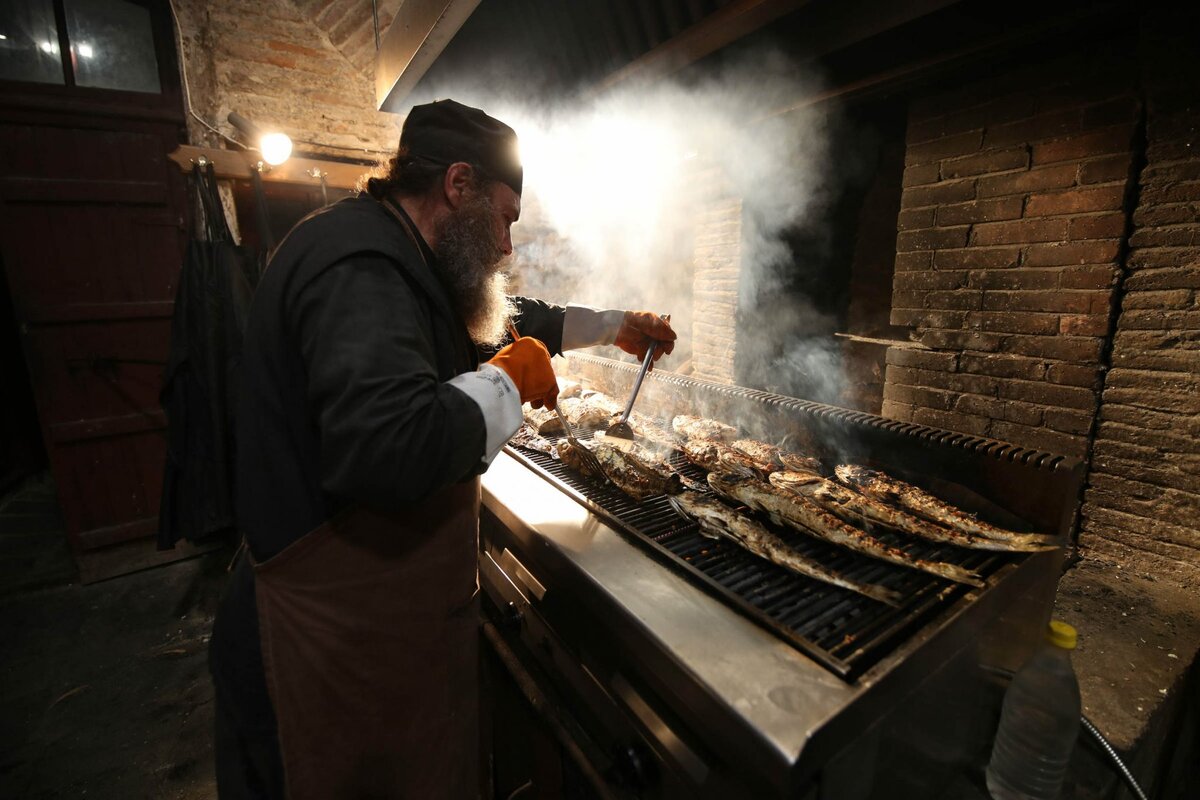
column 92, row 235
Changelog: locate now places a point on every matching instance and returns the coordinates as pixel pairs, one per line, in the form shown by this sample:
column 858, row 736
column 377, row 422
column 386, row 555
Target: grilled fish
column 591, row 412
column 719, row 520
column 882, row 486
column 631, row 469
column 528, row 438
column 865, row 511
column 795, row 462
column 700, row 428
column 805, row 516
column 545, row 422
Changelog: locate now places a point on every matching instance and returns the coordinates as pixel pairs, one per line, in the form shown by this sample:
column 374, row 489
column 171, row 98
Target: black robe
column 351, row 339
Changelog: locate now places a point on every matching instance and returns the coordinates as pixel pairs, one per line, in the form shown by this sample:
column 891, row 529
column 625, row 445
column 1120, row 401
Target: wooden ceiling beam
column 417, row 36
column 719, row 29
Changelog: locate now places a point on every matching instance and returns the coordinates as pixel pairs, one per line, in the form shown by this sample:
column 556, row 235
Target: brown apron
column 369, row 629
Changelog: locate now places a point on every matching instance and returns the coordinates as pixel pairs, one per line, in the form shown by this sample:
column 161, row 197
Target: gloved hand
column 640, row 329
column 527, row 362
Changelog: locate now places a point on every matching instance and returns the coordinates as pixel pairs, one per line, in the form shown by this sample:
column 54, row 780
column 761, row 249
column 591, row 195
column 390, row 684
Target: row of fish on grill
column 750, row 480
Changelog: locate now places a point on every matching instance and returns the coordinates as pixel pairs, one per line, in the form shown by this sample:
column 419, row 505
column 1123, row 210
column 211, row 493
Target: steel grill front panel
column 840, row 629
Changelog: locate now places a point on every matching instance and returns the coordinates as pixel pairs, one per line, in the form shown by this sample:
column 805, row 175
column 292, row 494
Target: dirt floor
column 104, row 689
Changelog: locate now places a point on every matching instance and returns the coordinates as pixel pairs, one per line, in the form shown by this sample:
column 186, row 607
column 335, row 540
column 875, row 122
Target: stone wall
column 274, row 62
column 1010, row 234
column 1143, row 492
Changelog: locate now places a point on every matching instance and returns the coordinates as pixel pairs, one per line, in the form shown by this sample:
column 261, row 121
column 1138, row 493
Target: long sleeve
column 390, row 431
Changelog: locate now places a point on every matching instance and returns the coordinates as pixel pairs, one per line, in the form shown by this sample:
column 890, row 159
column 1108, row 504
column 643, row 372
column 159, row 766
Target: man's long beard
column 468, row 250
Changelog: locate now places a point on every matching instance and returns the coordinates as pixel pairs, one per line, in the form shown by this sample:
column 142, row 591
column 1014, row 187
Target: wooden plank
column 237, row 165
column 719, row 29
column 57, row 190
column 93, row 312
column 134, row 556
column 79, row 430
column 115, row 534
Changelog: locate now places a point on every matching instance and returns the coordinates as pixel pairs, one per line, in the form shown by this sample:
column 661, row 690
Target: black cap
column 447, row 132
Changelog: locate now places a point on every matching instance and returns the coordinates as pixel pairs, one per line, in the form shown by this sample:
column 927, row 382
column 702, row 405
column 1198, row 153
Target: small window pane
column 112, row 45
column 29, row 49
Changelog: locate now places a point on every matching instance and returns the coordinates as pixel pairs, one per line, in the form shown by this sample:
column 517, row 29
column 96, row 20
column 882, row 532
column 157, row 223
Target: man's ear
column 457, row 182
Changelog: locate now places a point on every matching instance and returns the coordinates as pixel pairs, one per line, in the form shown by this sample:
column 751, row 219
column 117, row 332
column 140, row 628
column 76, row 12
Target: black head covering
column 446, row 132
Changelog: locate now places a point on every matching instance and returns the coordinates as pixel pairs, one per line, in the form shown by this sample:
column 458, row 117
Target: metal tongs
column 585, row 455
column 621, row 428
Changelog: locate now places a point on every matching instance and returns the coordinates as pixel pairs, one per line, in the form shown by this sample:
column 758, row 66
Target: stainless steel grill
column 839, row 629
column 704, row 671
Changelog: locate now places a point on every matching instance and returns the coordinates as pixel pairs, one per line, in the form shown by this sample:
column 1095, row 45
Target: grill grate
column 844, row 631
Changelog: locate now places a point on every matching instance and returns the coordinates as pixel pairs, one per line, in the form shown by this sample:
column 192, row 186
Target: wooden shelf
column 238, row 165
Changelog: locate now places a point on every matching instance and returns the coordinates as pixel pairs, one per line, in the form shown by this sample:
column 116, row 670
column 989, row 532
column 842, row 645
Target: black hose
column 1111, row 752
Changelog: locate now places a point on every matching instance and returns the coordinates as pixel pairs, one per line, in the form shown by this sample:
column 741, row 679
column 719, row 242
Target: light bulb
column 84, row 49
column 275, row 147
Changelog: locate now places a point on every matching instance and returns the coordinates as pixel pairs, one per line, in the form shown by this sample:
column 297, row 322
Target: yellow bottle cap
column 1060, row 634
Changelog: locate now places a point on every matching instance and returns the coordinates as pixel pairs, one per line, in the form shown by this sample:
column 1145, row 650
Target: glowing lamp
column 275, row 148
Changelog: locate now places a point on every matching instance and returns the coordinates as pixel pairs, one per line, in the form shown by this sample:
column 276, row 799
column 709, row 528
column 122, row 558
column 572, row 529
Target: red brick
column 914, row 218
column 1165, row 236
column 1045, row 126
column 918, row 396
column 1038, row 438
column 977, row 258
column 1171, row 192
column 1019, row 231
column 1079, row 349
column 1049, row 394
column 1117, row 139
column 1077, row 201
column 946, row 147
column 1170, row 278
column 1012, row 322
column 952, row 421
column 922, row 359
column 1153, row 258
column 897, row 411
column 961, row 340
column 1060, row 176
column 1066, row 254
column 1086, row 375
column 931, row 239
column 990, row 161
column 1167, row 214
column 1084, row 325
column 1063, row 302
column 994, row 408
column 980, row 211
column 1028, row 279
column 921, row 174
column 913, row 261
column 1099, row 226
column 906, row 317
column 1103, row 170
column 1110, row 112
column 1003, row 366
column 1156, row 320
column 938, row 194
column 949, row 381
column 1098, row 276
column 956, row 300
column 1166, row 299
column 933, row 279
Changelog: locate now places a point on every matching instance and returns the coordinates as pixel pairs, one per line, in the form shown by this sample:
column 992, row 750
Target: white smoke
column 611, row 200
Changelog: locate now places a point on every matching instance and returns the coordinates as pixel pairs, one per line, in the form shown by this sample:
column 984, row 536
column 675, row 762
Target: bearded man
column 344, row 653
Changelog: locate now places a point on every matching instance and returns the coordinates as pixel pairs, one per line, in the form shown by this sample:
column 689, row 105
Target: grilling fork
column 585, row 455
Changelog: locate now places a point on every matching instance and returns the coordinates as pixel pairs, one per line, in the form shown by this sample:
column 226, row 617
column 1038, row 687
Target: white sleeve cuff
column 497, row 397
column 584, row 326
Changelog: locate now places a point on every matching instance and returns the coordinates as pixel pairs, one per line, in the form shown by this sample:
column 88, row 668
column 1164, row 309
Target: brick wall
column 1143, row 496
column 1010, row 232
column 273, row 62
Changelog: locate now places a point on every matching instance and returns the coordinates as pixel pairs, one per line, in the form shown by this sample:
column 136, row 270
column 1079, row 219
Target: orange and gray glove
column 527, row 362
column 641, row 329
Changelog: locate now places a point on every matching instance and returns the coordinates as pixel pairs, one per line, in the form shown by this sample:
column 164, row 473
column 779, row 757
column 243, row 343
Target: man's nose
column 506, row 243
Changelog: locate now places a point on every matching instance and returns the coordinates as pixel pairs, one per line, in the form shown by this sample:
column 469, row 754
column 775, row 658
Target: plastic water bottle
column 1038, row 724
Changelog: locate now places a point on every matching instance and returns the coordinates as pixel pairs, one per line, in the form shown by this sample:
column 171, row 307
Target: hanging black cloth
column 200, row 382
